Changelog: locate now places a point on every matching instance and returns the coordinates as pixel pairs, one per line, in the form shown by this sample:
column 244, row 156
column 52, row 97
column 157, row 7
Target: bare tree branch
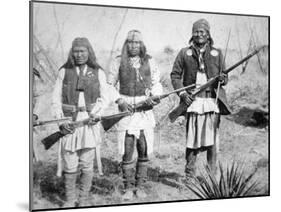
column 50, row 62
column 244, row 66
column 255, row 40
column 59, row 32
column 115, row 37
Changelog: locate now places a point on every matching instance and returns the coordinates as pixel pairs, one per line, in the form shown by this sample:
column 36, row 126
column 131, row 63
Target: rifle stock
column 51, row 139
column 106, row 122
column 178, row 111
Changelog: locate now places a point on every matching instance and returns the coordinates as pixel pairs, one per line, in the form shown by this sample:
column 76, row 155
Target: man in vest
column 139, row 78
column 80, row 91
column 196, row 64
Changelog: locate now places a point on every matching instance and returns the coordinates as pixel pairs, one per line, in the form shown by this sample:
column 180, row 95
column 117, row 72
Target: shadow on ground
column 51, row 187
column 250, row 117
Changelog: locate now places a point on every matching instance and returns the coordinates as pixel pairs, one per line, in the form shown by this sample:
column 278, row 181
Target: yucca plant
column 232, row 182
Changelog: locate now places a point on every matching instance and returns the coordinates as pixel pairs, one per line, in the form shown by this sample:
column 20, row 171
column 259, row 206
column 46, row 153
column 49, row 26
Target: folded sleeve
column 177, row 71
column 113, row 79
column 113, row 75
column 156, row 88
column 56, row 104
column 222, row 67
column 108, row 94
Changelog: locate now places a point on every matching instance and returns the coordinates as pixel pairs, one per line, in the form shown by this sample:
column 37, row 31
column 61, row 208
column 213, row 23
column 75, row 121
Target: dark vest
column 129, row 85
column 70, row 93
column 213, row 63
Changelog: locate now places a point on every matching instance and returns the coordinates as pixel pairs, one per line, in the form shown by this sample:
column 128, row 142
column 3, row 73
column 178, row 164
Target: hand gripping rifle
column 142, row 106
column 183, row 107
column 106, row 121
column 53, row 138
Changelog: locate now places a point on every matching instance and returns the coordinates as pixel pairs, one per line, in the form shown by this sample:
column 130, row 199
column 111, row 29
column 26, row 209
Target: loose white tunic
column 201, row 127
column 139, row 120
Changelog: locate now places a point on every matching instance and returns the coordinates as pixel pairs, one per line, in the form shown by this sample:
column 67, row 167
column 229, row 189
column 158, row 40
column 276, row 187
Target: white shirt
column 202, row 105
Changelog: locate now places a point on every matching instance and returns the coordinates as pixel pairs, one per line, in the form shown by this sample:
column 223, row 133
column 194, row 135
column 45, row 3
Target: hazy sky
column 159, row 28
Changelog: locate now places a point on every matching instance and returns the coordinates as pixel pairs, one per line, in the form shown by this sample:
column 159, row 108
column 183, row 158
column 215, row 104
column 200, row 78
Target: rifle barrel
column 181, row 89
column 39, row 123
column 205, row 86
column 212, row 80
column 126, row 113
column 84, row 122
column 242, row 60
column 177, row 90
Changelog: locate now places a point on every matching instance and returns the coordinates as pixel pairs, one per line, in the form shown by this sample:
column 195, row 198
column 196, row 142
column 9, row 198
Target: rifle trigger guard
column 158, row 98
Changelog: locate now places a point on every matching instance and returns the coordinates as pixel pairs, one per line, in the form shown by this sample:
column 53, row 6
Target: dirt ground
column 239, row 142
column 242, row 139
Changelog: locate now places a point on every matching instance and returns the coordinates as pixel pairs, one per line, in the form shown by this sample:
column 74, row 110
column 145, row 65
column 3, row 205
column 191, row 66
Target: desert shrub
column 248, row 91
column 233, row 182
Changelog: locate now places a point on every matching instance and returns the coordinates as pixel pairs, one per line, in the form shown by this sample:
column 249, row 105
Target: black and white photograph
column 136, row 105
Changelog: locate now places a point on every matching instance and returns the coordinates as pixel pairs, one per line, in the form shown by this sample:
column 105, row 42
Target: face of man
column 134, row 47
column 200, row 36
column 80, row 55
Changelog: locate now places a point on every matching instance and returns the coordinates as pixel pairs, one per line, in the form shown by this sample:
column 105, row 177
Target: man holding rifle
column 80, row 92
column 139, row 80
column 197, row 64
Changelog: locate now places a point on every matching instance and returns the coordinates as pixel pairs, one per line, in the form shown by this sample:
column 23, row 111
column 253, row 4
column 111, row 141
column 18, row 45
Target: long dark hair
column 125, row 54
column 92, row 60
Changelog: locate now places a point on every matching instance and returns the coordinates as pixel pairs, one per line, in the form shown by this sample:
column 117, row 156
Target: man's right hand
column 124, row 106
column 186, row 98
column 66, row 128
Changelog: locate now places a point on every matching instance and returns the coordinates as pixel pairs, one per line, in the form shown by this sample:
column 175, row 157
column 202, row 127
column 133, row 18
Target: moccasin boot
column 70, row 189
column 128, row 180
column 85, row 187
column 141, row 178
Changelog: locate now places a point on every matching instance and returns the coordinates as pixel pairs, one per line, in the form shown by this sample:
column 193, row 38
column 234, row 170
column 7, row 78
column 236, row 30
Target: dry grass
column 239, row 142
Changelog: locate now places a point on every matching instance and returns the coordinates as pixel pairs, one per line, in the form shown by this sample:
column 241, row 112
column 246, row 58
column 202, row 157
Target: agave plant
column 233, row 182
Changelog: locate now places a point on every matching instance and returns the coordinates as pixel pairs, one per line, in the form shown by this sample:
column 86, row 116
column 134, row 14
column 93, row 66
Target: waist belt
column 73, row 108
column 206, row 94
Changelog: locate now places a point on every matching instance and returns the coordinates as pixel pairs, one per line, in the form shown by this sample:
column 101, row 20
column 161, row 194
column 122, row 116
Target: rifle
column 142, row 106
column 40, row 123
column 183, row 107
column 53, row 138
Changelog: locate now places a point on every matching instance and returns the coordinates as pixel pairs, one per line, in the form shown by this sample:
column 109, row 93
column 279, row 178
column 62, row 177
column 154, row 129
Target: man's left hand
column 123, row 105
column 94, row 119
column 223, row 78
column 152, row 101
column 34, row 118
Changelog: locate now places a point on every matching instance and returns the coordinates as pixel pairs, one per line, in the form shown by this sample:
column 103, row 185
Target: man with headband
column 196, row 64
column 139, row 79
column 80, row 92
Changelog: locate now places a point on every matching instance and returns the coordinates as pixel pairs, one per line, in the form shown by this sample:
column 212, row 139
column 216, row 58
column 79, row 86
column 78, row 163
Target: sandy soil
column 245, row 144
